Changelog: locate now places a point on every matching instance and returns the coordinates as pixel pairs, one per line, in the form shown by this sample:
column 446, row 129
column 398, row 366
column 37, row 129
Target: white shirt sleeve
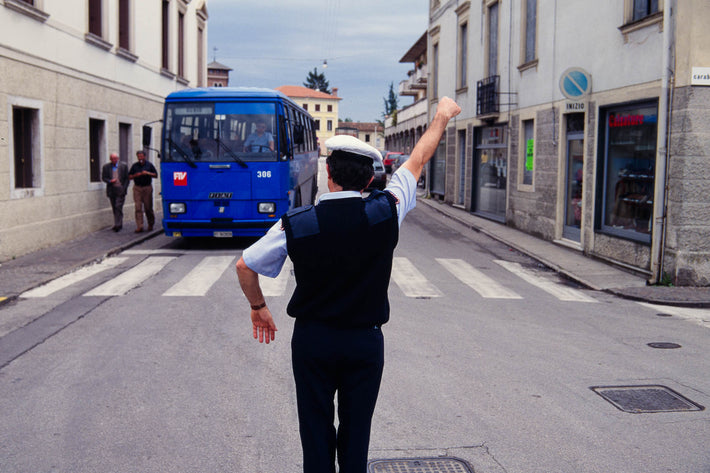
column 268, row 254
column 403, row 185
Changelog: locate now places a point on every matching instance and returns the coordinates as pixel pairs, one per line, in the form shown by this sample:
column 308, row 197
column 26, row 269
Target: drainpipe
column 660, row 209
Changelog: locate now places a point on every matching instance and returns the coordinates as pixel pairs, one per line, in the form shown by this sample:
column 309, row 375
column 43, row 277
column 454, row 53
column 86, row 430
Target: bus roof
column 227, row 93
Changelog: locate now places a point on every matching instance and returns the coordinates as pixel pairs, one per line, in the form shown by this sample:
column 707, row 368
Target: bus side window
column 284, row 139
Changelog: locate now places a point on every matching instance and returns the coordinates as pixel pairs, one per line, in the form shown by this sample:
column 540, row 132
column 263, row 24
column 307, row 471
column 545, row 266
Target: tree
column 317, row 81
column 391, row 105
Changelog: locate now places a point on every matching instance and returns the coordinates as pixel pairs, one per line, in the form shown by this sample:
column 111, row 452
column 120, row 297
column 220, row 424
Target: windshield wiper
column 231, row 153
column 182, row 152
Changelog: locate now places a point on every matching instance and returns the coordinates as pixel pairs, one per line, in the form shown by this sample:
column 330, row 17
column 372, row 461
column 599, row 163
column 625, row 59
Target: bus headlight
column 267, row 207
column 177, row 208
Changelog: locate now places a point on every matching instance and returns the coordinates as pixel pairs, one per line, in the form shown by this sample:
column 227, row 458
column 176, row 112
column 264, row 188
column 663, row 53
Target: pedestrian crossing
column 417, row 281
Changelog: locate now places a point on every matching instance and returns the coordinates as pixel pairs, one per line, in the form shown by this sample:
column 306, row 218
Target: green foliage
column 317, row 81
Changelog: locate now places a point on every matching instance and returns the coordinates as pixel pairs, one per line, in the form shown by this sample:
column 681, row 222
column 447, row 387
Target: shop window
column 629, row 170
column 528, row 152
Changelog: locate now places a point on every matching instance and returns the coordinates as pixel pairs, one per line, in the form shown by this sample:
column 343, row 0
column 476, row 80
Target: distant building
column 370, row 133
column 79, row 80
column 404, row 130
column 217, row 74
column 322, row 107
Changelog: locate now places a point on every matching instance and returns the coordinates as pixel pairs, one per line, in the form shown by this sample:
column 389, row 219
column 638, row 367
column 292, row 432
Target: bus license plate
column 222, row 234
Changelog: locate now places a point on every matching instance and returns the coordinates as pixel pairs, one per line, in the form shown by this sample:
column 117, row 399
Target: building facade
column 370, row 133
column 403, row 130
column 80, row 78
column 322, row 107
column 584, row 123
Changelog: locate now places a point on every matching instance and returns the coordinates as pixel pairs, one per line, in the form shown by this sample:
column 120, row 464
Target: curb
column 117, row 249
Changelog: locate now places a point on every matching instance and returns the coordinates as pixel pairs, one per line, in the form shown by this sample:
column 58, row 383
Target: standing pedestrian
column 142, row 173
column 341, row 251
column 115, row 175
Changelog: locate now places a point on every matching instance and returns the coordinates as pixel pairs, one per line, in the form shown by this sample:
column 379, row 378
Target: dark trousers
column 327, row 360
column 117, row 199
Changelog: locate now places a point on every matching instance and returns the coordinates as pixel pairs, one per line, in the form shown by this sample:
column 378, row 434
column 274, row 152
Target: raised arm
column 427, row 144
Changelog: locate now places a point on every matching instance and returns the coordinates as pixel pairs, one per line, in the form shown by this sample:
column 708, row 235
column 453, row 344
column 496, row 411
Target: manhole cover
column 646, row 399
column 419, row 465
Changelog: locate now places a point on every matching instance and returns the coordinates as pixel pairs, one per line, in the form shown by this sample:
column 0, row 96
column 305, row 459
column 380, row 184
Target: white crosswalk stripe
column 411, row 281
column 131, row 278
column 201, row 278
column 559, row 291
column 476, row 280
column 211, row 268
column 73, row 278
column 275, row 287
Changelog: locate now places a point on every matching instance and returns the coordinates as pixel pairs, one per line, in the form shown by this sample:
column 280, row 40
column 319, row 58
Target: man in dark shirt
column 115, row 175
column 142, row 173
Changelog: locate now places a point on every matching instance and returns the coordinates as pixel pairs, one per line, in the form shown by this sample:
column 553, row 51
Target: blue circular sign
column 575, row 83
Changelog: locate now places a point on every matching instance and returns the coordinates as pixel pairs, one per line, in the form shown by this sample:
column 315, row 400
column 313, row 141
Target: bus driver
column 259, row 140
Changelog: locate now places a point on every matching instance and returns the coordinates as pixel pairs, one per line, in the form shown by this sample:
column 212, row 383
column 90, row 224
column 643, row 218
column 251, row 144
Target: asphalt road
column 148, row 365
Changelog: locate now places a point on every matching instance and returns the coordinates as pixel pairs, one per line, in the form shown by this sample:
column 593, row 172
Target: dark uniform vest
column 342, row 257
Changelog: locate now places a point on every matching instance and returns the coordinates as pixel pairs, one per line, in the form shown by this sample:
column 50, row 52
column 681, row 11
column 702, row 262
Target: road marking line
column 557, row 290
column 411, row 281
column 124, row 282
column 201, row 278
column 72, row 278
column 476, row 280
column 273, row 287
column 155, row 252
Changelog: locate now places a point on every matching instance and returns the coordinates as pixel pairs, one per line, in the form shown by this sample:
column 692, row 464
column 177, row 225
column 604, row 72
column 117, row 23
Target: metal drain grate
column 419, row 465
column 646, row 399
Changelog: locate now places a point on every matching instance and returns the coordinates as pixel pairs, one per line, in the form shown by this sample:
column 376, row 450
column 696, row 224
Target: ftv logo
column 180, row 178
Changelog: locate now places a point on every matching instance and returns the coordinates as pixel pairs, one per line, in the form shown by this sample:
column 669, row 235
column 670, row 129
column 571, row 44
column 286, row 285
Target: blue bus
column 234, row 160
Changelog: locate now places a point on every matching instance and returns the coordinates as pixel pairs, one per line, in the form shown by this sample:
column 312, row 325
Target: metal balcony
column 487, row 93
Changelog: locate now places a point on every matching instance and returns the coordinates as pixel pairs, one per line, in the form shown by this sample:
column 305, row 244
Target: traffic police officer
column 341, row 251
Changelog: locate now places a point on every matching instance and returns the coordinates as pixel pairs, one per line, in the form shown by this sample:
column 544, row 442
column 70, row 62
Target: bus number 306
column 263, row 174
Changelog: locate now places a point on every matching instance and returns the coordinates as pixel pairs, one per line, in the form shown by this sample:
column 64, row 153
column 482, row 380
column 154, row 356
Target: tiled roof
column 304, row 92
column 361, row 126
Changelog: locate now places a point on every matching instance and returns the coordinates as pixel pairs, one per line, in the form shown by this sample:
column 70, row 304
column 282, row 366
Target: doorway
column 574, row 174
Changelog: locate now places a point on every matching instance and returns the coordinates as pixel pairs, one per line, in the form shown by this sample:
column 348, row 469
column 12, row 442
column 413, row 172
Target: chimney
column 335, row 91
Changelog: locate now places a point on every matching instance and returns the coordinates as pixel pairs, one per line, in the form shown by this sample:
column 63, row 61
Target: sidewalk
column 587, row 271
column 32, row 270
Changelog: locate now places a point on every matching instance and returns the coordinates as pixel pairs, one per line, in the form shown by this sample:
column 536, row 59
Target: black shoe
column 117, row 229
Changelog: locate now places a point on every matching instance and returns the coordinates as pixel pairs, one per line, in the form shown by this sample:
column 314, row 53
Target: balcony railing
column 487, row 96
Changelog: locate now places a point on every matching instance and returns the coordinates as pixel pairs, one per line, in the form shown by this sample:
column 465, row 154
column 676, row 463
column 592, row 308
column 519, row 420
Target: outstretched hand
column 263, row 324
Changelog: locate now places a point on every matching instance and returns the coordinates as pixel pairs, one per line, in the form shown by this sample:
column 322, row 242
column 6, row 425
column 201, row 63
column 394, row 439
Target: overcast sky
column 270, row 43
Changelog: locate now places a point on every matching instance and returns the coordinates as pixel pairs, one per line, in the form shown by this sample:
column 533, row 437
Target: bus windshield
column 220, row 132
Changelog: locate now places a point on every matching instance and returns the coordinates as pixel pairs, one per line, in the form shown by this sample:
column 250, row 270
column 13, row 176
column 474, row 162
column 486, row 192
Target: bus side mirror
column 147, row 134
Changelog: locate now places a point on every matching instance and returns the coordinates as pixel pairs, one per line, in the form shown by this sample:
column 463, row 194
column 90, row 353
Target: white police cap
column 350, row 144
